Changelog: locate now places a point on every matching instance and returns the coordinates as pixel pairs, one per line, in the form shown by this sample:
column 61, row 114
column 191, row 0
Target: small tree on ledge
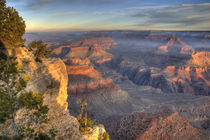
column 39, row 50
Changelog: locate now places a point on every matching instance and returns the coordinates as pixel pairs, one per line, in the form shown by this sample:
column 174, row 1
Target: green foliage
column 12, row 26
column 11, row 84
column 105, row 136
column 42, row 136
column 39, row 50
column 83, row 104
column 13, row 97
column 85, row 122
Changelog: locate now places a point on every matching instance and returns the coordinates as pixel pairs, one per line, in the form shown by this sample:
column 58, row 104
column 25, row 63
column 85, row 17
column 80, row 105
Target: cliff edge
column 51, row 78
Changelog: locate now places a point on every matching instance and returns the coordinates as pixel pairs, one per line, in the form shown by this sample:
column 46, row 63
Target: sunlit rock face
column 95, row 52
column 50, row 77
column 93, row 48
column 172, row 127
column 84, row 78
column 95, row 133
column 201, row 59
column 83, row 70
column 176, row 45
column 57, row 70
column 166, row 126
column 163, row 48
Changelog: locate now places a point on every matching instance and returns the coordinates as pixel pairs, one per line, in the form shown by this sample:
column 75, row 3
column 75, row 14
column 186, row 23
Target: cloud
column 107, row 13
column 191, row 15
column 35, row 4
column 65, row 14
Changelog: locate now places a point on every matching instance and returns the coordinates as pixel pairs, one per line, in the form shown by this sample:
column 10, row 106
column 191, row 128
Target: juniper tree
column 12, row 26
column 39, row 50
column 83, row 104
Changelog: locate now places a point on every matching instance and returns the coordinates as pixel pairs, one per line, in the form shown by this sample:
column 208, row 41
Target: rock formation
column 176, row 45
column 92, row 48
column 166, row 126
column 171, row 79
column 201, row 59
column 79, row 59
column 172, row 127
column 95, row 133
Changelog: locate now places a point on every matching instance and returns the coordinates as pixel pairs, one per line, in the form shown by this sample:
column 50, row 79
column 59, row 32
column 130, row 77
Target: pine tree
column 2, row 14
column 39, row 50
column 12, row 26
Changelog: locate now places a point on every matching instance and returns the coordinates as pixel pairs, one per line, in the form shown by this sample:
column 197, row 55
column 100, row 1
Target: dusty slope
column 164, row 126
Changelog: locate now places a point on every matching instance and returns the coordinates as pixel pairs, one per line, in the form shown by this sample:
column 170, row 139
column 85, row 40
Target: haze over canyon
column 138, row 84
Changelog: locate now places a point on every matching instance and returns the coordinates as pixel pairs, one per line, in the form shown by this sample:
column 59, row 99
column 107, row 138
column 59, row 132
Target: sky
column 88, row 15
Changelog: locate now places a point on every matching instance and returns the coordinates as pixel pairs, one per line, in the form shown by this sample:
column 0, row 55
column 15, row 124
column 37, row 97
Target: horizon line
column 115, row 30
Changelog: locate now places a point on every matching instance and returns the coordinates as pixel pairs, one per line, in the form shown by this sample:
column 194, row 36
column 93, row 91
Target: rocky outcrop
column 176, row 45
column 163, row 48
column 142, row 126
column 95, row 53
column 50, row 77
column 201, row 59
column 87, row 70
column 98, row 55
column 84, row 78
column 56, row 68
column 92, row 48
column 172, row 127
column 95, row 133
column 80, row 60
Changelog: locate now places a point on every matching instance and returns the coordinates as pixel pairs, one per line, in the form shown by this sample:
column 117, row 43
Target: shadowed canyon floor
column 140, row 84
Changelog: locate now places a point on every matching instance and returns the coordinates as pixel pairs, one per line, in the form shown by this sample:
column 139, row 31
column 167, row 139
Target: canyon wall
column 170, row 79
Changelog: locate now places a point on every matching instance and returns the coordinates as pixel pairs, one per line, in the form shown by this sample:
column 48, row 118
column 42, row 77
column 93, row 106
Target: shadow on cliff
column 63, row 53
column 3, row 52
column 78, row 78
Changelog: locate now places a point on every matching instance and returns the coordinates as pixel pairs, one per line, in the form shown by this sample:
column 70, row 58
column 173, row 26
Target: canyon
column 140, row 85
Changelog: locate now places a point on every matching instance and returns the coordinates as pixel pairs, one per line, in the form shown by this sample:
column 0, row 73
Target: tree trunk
column 14, row 125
